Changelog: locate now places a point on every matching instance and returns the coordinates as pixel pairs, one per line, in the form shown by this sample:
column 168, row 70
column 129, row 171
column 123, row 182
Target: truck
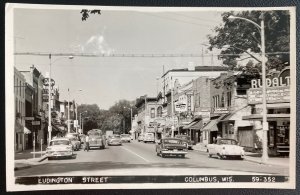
column 96, row 139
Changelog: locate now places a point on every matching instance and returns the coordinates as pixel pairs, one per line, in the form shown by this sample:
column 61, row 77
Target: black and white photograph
column 112, row 97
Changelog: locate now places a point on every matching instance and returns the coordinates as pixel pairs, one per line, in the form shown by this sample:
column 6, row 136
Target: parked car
column 171, row 146
column 125, row 138
column 59, row 147
column 149, row 137
column 188, row 139
column 96, row 139
column 114, row 140
column 141, row 138
column 224, row 148
column 75, row 140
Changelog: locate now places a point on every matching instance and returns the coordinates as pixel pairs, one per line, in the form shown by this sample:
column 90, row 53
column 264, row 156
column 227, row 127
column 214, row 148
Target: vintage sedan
column 225, row 148
column 59, row 147
column 75, row 140
column 125, row 138
column 171, row 147
column 188, row 140
column 114, row 140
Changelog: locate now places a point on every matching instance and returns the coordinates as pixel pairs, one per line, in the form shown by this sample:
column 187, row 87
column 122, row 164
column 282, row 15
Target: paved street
column 138, row 158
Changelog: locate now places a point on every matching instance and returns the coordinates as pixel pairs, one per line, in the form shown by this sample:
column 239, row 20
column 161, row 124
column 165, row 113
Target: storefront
column 278, row 113
column 19, row 136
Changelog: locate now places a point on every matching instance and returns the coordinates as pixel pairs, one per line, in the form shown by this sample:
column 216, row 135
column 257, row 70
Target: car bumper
column 233, row 154
column 114, row 143
column 60, row 154
column 174, row 152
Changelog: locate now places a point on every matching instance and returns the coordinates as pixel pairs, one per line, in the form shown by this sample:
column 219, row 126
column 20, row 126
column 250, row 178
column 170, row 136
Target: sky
column 105, row 80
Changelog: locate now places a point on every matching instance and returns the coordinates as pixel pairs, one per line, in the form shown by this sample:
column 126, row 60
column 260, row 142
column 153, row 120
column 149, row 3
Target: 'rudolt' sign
column 278, row 91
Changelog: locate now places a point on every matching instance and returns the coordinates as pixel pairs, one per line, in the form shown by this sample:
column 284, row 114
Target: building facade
column 20, row 114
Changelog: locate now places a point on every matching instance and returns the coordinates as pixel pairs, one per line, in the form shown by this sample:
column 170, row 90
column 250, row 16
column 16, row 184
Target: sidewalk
column 252, row 157
column 24, row 159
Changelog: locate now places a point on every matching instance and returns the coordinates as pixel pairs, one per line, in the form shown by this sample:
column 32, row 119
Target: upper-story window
column 159, row 111
column 152, row 112
column 228, row 98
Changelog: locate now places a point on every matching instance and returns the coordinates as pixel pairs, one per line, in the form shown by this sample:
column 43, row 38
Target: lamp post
column 265, row 127
column 49, row 94
column 80, row 119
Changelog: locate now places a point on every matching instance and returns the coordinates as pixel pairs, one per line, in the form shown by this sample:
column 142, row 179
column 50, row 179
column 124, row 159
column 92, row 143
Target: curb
column 21, row 168
column 30, row 165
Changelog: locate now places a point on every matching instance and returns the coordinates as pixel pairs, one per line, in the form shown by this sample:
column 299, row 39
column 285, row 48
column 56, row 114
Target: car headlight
column 224, row 148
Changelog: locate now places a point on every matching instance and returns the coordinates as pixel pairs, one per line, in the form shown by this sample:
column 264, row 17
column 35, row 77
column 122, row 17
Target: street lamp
column 265, row 128
column 49, row 94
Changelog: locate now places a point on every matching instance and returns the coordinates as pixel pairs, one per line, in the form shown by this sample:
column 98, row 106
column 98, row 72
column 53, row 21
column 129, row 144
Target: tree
column 240, row 37
column 86, row 13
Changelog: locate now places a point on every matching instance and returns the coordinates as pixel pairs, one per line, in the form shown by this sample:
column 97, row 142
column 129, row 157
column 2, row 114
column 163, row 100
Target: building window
column 241, row 92
column 159, row 111
column 229, row 99
column 152, row 112
column 20, row 89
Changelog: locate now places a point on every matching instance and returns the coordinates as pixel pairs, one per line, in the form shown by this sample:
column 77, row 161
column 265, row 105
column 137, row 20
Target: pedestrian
column 87, row 144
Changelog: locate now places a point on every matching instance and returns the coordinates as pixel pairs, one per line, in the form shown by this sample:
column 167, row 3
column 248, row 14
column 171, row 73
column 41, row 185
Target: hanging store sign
column 221, row 111
column 46, row 82
column 36, row 122
column 274, row 95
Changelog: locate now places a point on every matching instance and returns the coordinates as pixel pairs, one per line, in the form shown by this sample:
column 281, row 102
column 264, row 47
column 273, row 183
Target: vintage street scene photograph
column 150, row 96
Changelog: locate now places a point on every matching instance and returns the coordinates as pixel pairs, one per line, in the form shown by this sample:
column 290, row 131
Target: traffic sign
column 28, row 118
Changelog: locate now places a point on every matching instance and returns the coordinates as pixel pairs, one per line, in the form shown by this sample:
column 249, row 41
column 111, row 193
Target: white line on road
column 136, row 154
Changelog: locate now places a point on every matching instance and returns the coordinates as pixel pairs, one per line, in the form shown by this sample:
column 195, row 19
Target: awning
column 211, row 126
column 189, row 125
column 227, row 117
column 279, row 105
column 197, row 126
column 269, row 116
column 26, row 131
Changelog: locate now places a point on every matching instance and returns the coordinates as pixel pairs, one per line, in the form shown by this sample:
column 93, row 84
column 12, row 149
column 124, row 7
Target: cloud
column 97, row 44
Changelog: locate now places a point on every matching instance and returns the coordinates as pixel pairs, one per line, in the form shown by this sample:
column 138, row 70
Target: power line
column 139, row 55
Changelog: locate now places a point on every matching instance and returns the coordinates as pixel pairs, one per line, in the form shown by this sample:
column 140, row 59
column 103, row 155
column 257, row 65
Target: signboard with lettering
column 46, row 82
column 274, row 95
column 36, row 122
column 29, row 118
column 221, row 111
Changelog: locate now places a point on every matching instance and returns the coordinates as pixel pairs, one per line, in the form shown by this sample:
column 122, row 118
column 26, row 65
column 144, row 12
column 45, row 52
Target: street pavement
column 137, row 158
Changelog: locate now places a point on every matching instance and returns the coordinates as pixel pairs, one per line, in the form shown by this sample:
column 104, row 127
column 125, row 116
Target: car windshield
column 116, row 136
column 124, row 135
column 172, row 141
column 228, row 142
column 59, row 142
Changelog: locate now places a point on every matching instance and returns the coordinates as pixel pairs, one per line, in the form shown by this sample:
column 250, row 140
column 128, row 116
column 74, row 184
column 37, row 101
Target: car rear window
column 172, row 141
